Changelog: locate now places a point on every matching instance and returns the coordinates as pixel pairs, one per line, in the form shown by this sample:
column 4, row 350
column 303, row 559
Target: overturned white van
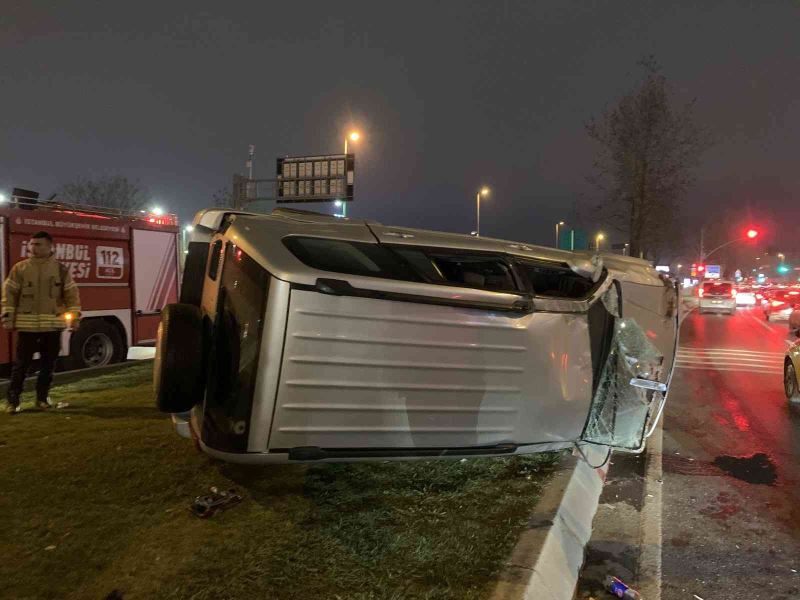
column 304, row 337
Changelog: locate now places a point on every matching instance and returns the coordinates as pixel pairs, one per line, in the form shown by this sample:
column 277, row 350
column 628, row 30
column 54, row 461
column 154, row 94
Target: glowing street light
column 484, row 191
column 353, row 136
column 752, row 234
column 157, row 211
column 599, row 238
column 3, row 199
column 559, row 224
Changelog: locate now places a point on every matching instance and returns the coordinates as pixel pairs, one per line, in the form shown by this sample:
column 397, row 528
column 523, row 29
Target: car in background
column 780, row 303
column 745, row 296
column 717, row 296
column 791, row 367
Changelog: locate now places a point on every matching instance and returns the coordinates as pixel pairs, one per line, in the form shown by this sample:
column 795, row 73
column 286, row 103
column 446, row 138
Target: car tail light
column 700, row 292
column 733, row 293
column 759, row 297
column 777, row 303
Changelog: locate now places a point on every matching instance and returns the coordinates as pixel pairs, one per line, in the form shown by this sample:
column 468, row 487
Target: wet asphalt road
column 731, row 462
column 731, row 473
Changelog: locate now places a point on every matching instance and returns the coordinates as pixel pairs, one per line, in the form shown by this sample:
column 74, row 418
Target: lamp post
column 559, row 224
column 353, row 136
column 484, row 191
column 597, row 239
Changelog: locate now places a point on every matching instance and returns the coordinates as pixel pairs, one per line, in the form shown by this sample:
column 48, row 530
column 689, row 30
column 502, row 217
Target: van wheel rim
column 97, row 350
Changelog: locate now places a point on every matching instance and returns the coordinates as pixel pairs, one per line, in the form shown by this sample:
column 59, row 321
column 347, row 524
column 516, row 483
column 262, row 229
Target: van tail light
column 733, row 293
column 700, row 292
column 777, row 303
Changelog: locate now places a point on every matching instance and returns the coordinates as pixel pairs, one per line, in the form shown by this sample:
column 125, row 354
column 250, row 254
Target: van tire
column 96, row 343
column 178, row 372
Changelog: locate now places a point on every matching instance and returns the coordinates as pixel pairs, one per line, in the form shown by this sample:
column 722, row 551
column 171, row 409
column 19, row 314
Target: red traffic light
column 701, row 268
column 752, row 233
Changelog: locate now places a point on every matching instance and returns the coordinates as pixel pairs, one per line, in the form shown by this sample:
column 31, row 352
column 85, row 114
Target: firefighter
column 40, row 300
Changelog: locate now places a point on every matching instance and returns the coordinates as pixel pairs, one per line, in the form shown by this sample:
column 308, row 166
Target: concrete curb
column 545, row 563
column 70, row 376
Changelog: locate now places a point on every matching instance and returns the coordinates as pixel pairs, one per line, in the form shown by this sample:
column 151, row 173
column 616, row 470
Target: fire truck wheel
column 178, row 370
column 95, row 344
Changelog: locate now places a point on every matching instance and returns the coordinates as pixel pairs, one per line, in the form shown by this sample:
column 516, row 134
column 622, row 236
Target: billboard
column 573, row 239
column 325, row 178
column 713, row 271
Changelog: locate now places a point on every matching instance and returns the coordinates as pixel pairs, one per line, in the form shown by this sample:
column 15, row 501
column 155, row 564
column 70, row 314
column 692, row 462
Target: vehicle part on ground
column 96, row 343
column 178, row 370
column 207, row 506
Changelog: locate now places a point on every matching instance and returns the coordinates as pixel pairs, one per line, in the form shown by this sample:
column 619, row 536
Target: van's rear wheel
column 96, row 343
column 178, row 377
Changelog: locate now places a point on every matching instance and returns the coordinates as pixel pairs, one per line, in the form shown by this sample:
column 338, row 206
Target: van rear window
column 351, row 258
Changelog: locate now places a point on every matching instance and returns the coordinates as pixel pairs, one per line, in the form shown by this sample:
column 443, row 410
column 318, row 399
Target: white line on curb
column 650, row 556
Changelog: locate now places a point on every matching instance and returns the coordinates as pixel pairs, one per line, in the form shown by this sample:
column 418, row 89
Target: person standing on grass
column 40, row 300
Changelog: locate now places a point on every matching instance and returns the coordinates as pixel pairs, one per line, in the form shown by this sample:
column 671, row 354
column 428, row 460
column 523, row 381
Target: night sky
column 448, row 96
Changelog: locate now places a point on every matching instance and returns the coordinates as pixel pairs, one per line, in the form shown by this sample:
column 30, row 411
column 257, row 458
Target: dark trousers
column 48, row 345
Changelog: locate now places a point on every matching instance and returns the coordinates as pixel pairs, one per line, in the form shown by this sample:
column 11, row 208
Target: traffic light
column 783, row 269
column 701, row 269
column 752, row 233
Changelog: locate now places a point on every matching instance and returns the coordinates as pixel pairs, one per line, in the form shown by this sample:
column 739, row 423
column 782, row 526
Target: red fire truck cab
column 126, row 267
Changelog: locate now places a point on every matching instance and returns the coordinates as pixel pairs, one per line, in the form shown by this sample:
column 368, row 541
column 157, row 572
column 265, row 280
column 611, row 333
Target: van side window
column 213, row 263
column 352, row 258
column 556, row 281
column 482, row 271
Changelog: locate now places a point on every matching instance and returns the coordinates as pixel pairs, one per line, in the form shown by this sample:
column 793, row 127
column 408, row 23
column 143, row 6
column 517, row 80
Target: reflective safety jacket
column 38, row 294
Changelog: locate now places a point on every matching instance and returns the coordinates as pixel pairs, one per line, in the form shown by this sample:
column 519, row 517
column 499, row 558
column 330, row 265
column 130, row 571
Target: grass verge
column 94, row 497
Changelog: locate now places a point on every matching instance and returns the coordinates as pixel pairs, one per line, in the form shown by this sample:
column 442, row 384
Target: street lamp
column 157, row 211
column 353, row 136
column 598, row 238
column 484, row 191
column 559, row 224
column 3, row 199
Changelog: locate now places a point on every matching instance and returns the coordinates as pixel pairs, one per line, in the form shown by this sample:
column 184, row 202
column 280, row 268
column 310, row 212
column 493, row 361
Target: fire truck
column 126, row 266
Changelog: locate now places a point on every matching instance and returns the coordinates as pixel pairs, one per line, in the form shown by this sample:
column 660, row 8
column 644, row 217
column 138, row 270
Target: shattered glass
column 620, row 411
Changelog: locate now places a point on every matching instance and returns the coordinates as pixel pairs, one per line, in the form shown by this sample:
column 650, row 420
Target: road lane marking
column 650, row 531
column 726, row 350
column 770, row 370
column 763, row 324
column 747, row 362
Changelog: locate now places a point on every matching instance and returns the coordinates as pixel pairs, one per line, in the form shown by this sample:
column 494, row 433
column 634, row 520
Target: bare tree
column 112, row 191
column 648, row 150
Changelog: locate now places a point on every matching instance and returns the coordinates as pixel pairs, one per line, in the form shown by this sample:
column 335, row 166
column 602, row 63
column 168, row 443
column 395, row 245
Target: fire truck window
column 213, row 263
column 353, row 258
